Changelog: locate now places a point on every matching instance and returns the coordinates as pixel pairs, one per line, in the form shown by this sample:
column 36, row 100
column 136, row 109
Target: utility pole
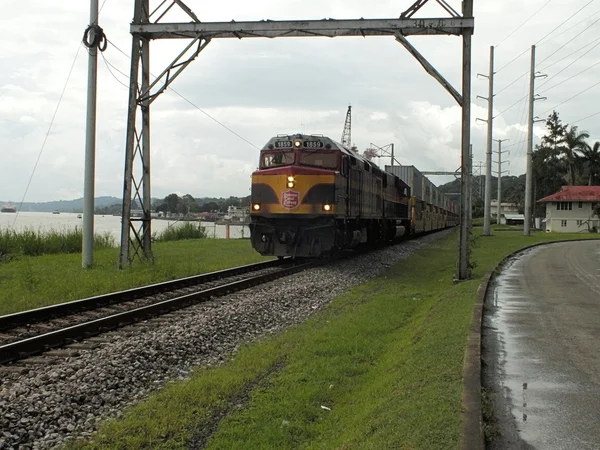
column 92, row 39
column 531, row 120
column 488, row 153
column 529, row 174
column 500, row 172
column 464, row 252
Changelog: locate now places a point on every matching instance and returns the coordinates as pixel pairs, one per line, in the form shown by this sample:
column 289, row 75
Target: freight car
column 312, row 196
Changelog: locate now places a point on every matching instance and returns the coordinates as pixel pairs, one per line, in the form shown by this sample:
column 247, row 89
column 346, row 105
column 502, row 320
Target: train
column 311, row 197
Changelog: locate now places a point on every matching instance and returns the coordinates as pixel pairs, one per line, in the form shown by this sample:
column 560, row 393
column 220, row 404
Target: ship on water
column 8, row 208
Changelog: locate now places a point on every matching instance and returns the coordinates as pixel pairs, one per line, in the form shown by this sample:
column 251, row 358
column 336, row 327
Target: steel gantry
column 149, row 24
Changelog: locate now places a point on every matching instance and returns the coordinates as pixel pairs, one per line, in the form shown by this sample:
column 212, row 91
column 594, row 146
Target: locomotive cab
column 294, row 196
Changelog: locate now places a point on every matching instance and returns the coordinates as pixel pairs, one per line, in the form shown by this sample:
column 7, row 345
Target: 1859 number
column 313, row 144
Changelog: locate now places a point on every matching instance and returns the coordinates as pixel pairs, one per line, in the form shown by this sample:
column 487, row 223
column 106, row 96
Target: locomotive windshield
column 315, row 158
column 275, row 159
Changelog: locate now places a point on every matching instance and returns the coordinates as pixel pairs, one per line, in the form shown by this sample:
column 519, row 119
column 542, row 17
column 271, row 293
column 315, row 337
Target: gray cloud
column 259, row 88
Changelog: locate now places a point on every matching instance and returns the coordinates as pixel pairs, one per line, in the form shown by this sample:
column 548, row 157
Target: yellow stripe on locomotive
column 298, row 194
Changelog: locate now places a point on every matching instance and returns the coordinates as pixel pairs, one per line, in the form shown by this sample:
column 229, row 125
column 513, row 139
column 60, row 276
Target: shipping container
column 411, row 176
column 427, row 188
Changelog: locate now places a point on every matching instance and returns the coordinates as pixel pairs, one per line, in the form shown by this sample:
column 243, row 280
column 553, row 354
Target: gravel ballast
column 46, row 404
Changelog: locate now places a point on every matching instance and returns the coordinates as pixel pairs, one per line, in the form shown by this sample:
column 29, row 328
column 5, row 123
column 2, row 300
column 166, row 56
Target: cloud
column 258, row 88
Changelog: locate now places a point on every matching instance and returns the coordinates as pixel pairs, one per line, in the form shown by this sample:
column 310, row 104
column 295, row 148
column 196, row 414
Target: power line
column 514, row 104
column 570, row 78
column 572, row 53
column 578, row 23
column 565, row 21
column 108, row 66
column 519, row 134
column 511, row 83
column 48, row 132
column 571, row 98
column 570, row 64
column 191, row 103
column 52, row 122
column 512, row 60
column 568, row 42
column 587, row 117
column 548, row 34
column 519, row 27
column 556, row 51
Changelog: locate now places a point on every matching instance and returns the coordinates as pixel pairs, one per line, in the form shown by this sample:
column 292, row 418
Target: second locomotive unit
column 311, row 196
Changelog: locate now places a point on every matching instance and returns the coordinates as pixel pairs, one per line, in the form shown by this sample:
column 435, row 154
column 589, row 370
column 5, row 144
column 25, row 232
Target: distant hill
column 509, row 185
column 71, row 206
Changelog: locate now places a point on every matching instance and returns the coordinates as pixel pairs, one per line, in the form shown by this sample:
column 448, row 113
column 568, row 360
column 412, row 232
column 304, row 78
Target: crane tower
column 347, row 133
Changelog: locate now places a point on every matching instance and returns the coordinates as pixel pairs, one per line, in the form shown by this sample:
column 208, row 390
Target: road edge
column 471, row 407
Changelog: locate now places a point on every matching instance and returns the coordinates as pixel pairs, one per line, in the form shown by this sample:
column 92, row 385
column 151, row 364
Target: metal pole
column 146, row 197
column 498, row 214
column 392, row 154
column 487, row 209
column 124, row 257
column 87, row 254
column 465, row 219
column 528, row 176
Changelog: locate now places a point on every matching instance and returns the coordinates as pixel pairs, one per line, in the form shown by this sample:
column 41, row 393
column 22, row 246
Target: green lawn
column 30, row 282
column 381, row 367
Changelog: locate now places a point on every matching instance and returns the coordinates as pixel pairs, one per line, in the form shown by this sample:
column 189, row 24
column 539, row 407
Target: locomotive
column 312, row 196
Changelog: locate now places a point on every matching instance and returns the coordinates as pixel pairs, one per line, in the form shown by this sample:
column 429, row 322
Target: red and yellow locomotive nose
column 293, row 190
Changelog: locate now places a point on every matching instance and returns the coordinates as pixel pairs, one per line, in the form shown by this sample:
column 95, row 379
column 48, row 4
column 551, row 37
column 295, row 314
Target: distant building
column 506, row 209
column 237, row 214
column 571, row 209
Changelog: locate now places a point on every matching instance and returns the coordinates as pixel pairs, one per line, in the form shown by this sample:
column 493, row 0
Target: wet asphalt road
column 541, row 349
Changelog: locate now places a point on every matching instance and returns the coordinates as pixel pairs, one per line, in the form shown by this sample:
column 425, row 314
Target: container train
column 311, row 196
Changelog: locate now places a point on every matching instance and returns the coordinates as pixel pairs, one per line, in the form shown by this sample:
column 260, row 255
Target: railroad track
column 32, row 332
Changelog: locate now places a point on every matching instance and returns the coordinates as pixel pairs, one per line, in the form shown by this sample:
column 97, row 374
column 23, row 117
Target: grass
column 31, row 242
column 385, row 359
column 32, row 282
column 185, row 230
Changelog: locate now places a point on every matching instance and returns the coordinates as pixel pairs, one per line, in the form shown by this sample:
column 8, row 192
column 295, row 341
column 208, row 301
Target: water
column 102, row 224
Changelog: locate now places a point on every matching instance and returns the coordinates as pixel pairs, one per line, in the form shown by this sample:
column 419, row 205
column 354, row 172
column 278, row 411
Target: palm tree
column 574, row 142
column 591, row 156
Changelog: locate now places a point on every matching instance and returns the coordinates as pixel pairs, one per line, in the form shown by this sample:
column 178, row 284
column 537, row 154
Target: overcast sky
column 259, row 88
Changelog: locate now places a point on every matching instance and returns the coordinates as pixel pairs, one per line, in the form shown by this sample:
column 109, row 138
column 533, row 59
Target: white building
column 505, row 209
column 571, row 210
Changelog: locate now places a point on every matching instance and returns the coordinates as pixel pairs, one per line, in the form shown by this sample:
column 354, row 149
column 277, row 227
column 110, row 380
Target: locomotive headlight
column 256, row 206
column 290, row 181
column 291, row 178
column 326, row 207
column 297, row 144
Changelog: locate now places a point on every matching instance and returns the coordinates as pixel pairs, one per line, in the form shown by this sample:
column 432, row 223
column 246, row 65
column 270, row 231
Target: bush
column 29, row 242
column 186, row 230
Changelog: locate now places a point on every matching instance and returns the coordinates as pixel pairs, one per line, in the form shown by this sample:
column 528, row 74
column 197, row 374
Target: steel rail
column 30, row 346
column 15, row 320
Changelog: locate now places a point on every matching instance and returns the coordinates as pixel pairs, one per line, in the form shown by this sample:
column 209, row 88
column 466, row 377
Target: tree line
column 175, row 204
column 172, row 203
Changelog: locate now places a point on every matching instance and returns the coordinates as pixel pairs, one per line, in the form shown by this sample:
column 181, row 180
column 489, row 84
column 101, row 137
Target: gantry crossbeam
column 149, row 24
column 304, row 28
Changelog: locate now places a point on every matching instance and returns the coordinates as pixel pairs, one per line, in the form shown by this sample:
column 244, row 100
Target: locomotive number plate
column 290, row 199
column 313, row 144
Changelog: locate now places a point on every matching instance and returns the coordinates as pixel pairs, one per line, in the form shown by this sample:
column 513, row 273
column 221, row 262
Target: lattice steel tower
column 347, row 133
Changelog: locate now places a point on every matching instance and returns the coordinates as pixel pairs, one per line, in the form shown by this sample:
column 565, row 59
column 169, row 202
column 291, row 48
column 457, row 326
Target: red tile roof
column 575, row 194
